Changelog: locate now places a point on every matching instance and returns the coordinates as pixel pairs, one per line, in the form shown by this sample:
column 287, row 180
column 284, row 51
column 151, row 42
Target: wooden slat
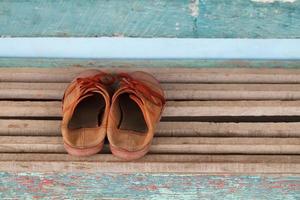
column 208, row 164
column 9, row 127
column 188, row 145
column 173, row 108
column 74, row 69
column 154, row 158
column 178, row 75
column 232, row 108
column 16, row 90
column 179, row 146
column 146, row 19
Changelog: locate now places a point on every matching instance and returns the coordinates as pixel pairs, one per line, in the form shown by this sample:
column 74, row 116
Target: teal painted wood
column 146, row 186
column 158, row 18
column 94, row 18
column 54, row 62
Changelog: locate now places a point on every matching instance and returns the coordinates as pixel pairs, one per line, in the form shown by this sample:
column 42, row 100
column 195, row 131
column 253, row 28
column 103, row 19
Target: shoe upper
column 85, row 109
column 136, row 109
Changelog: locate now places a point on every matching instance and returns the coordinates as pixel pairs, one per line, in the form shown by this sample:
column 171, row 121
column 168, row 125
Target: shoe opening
column 88, row 112
column 131, row 115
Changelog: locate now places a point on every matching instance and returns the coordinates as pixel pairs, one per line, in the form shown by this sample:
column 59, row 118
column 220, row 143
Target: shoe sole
column 129, row 155
column 84, row 152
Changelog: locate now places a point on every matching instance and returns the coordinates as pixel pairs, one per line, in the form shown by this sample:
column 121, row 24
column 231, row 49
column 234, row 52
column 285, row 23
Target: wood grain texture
column 203, row 164
column 227, row 120
column 12, row 127
column 173, row 108
column 181, row 18
column 175, row 91
column 166, row 145
column 167, row 74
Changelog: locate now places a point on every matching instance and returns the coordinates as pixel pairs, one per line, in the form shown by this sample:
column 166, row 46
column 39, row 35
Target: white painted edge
column 150, row 48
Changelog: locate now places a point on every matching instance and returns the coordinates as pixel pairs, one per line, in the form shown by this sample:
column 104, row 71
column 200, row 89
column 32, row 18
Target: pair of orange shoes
column 125, row 107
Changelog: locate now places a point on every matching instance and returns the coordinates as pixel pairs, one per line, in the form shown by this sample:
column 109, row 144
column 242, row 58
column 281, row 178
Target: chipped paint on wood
column 194, row 8
column 146, row 186
column 158, row 18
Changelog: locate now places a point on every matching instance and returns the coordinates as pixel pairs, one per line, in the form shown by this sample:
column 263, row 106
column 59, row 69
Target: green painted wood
column 146, row 186
column 54, row 62
column 158, row 18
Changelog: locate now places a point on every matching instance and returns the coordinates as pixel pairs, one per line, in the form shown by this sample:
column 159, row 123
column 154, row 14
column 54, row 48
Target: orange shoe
column 86, row 105
column 136, row 109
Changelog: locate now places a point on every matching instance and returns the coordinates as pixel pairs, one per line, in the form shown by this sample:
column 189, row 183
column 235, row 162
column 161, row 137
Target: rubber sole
column 129, row 155
column 84, row 152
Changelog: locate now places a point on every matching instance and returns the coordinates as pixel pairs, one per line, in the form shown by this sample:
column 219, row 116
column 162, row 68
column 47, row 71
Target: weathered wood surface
column 173, row 108
column 166, row 145
column 175, row 91
column 181, row 18
column 235, row 121
column 125, row 63
column 167, row 163
column 145, row 186
column 42, row 127
column 164, row 75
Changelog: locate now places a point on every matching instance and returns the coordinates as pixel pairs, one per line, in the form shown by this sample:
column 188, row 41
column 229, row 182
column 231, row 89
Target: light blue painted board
column 151, row 48
column 156, row 18
column 146, row 186
column 125, row 63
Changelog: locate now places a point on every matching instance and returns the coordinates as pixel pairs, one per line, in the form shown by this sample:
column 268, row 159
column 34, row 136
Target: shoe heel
column 83, row 152
column 129, row 155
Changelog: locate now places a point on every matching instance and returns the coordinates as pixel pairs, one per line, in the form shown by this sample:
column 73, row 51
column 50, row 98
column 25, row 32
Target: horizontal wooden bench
column 217, row 121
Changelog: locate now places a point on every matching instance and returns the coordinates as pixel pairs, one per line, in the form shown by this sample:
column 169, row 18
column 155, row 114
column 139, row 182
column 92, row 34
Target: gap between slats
column 179, row 146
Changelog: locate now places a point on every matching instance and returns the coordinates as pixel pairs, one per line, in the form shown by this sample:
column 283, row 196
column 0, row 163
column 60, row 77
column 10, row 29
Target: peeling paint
column 194, row 8
column 272, row 1
column 177, row 26
column 138, row 186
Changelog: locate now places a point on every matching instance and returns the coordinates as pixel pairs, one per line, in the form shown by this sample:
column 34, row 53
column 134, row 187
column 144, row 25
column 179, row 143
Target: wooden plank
column 173, row 108
column 208, row 164
column 9, row 127
column 17, row 90
column 142, row 18
column 153, row 48
column 74, row 185
column 30, row 127
column 178, row 75
column 153, row 158
column 231, row 108
column 166, row 145
column 55, row 63
column 113, row 18
column 30, row 109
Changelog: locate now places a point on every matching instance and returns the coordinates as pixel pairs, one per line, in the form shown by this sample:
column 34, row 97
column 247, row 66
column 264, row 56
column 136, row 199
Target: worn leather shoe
column 86, row 105
column 136, row 109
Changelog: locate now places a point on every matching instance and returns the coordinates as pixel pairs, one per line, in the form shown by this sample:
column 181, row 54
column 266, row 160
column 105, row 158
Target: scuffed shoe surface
column 86, row 106
column 136, row 109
